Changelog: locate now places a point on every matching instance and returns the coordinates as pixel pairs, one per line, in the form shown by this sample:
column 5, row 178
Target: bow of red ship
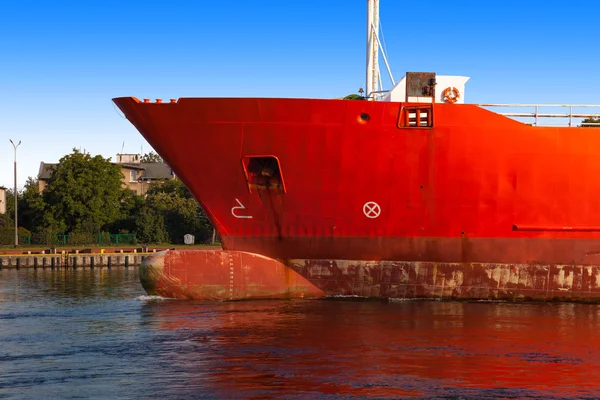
column 222, row 275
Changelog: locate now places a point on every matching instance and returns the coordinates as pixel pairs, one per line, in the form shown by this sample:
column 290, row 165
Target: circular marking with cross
column 371, row 209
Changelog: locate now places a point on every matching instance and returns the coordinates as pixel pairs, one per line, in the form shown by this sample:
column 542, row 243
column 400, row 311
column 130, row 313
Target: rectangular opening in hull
column 416, row 116
column 263, row 172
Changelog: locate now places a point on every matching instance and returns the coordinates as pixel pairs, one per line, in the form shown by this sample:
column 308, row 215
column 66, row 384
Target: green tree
column 150, row 226
column 179, row 211
column 172, row 186
column 6, row 221
column 151, row 157
column 130, row 205
column 83, row 194
column 354, row 97
column 10, row 206
column 591, row 121
column 31, row 206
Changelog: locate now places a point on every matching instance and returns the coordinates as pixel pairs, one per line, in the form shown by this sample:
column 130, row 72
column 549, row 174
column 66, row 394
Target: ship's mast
column 373, row 84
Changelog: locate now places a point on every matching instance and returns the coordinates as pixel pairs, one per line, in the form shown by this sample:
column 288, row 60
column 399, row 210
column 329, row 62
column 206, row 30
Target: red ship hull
column 361, row 204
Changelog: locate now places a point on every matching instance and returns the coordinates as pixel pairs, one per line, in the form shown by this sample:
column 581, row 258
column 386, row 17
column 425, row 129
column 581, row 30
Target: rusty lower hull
column 235, row 275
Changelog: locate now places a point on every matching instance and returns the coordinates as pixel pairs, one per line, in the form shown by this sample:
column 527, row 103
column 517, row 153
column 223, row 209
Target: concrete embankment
column 72, row 260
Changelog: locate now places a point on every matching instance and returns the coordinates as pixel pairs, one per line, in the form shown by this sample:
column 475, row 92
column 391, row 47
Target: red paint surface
column 233, row 275
column 453, row 191
column 222, row 275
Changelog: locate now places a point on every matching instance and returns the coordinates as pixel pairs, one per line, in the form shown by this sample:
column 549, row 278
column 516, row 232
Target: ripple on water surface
column 96, row 334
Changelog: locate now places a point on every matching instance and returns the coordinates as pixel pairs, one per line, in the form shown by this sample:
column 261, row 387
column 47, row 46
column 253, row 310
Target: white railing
column 537, row 115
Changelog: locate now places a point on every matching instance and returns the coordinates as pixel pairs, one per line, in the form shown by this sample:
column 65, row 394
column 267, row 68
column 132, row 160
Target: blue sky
column 61, row 62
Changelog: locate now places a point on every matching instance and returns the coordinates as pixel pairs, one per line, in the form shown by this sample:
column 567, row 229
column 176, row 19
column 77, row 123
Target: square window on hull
column 263, row 173
column 416, row 116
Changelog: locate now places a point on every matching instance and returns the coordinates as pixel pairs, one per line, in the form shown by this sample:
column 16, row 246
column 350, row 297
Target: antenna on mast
column 123, row 147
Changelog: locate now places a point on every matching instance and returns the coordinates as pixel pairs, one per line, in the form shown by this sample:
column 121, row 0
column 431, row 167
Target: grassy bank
column 59, row 249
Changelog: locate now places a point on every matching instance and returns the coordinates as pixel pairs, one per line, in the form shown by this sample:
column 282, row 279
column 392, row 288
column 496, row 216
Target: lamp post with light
column 15, row 193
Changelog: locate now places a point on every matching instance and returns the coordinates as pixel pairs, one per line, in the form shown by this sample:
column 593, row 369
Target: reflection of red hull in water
column 366, row 349
column 350, row 197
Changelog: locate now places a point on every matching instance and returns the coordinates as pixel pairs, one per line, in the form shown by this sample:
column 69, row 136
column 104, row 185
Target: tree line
column 84, row 197
column 592, row 122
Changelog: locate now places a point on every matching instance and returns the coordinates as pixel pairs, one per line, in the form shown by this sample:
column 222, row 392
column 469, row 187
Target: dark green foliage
column 7, row 235
column 150, row 226
column 85, row 199
column 172, row 187
column 5, row 221
column 151, row 157
column 180, row 212
column 592, row 121
column 45, row 236
column 10, row 205
column 31, row 206
column 81, row 237
column 130, row 206
column 354, row 97
column 83, row 194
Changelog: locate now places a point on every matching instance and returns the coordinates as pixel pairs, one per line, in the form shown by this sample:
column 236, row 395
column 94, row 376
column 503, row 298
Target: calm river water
column 94, row 334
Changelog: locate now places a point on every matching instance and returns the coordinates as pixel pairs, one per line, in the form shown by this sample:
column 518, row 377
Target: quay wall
column 72, row 260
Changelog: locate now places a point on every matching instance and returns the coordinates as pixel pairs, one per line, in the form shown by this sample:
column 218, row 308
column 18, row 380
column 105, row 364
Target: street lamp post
column 15, row 193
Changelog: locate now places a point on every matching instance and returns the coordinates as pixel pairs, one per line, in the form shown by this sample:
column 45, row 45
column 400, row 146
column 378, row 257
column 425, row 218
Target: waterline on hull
column 234, row 275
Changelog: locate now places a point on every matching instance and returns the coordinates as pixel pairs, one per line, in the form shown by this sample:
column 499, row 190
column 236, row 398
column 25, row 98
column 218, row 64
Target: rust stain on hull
column 467, row 281
column 234, row 275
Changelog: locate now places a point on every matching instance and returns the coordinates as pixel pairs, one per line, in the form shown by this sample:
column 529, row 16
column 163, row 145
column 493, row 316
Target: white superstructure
column 374, row 91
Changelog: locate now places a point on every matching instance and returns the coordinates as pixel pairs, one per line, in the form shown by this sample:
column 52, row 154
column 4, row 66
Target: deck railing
column 539, row 112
